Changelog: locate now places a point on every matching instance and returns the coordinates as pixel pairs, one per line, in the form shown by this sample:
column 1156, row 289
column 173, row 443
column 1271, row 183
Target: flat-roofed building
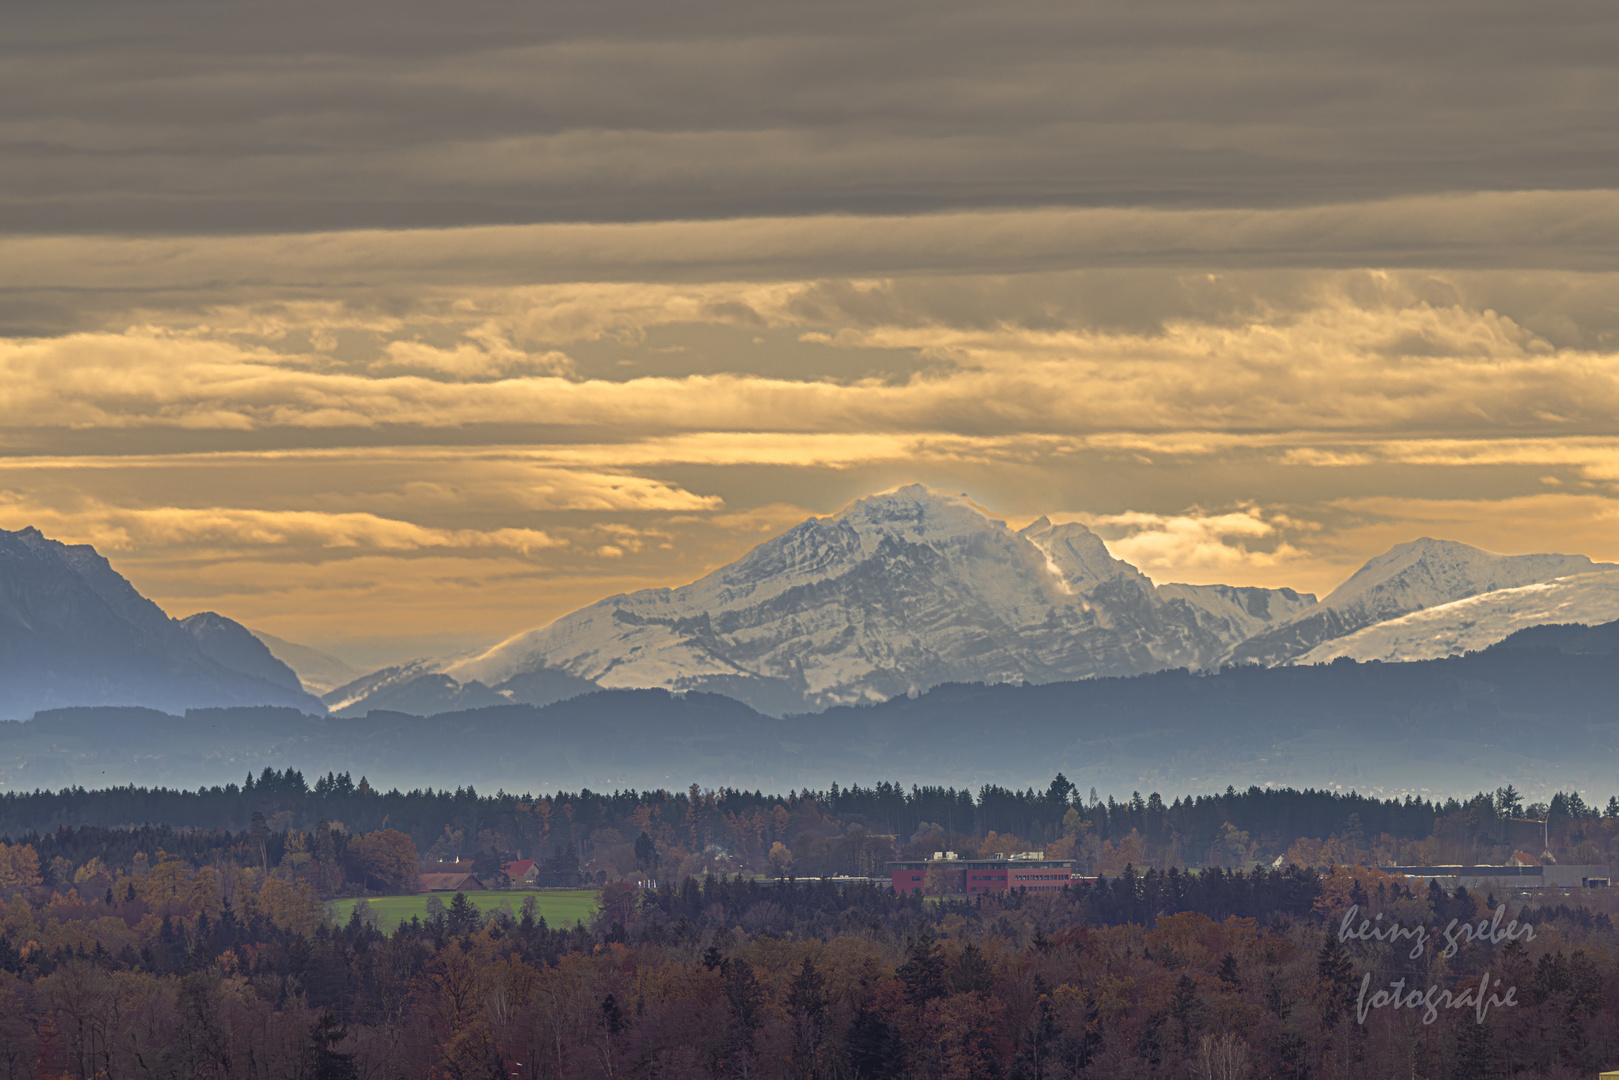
column 948, row 875
column 1511, row 876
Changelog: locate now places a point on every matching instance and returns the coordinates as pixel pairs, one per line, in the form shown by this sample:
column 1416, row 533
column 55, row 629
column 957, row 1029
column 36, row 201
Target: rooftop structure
column 458, row 882
column 1514, row 875
column 946, row 874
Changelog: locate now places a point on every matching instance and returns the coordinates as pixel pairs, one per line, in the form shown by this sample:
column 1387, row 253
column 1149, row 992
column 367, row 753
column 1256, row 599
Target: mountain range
column 897, row 593
column 912, row 588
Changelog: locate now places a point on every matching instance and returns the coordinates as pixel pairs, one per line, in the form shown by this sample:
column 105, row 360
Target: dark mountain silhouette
column 1572, row 638
column 318, row 671
column 75, row 632
column 231, row 645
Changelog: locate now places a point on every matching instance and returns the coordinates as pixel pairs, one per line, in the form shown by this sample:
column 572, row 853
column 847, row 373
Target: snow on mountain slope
column 1478, row 622
column 896, row 593
column 1238, row 612
column 1077, row 556
column 1409, row 577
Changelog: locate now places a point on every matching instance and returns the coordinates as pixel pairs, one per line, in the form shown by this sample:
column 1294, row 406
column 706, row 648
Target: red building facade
column 950, row 876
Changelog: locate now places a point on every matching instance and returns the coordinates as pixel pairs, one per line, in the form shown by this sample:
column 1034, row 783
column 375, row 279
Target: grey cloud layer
column 186, row 117
column 53, row 283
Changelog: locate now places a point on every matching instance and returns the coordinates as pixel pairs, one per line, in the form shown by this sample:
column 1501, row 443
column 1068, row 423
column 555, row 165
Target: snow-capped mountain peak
column 1427, row 571
column 908, row 588
column 1409, row 577
column 897, row 591
column 1477, row 622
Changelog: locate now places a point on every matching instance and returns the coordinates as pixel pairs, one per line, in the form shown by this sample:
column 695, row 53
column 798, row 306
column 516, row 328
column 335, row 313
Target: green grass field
column 560, row 907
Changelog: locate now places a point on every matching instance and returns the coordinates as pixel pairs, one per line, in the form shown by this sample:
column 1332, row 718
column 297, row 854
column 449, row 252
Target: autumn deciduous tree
column 19, row 869
column 1222, row 1057
column 386, row 856
column 943, row 877
column 781, row 859
column 960, row 1040
column 995, row 843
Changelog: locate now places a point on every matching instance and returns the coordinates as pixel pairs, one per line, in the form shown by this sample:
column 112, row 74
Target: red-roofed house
column 522, row 870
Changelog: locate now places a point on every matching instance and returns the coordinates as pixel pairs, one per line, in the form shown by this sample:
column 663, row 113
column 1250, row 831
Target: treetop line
column 884, row 808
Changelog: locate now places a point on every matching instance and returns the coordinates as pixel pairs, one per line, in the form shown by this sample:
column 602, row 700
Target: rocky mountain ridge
column 896, row 593
column 74, row 632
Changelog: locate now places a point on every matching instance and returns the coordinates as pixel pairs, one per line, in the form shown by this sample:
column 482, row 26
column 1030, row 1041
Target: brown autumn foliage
column 205, row 971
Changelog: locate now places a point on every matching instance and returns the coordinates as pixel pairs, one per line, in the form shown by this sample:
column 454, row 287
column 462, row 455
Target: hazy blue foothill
column 1541, row 716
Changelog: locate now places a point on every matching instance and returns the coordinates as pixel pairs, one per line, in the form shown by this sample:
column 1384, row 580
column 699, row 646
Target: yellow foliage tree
column 290, row 906
column 388, row 857
column 19, row 869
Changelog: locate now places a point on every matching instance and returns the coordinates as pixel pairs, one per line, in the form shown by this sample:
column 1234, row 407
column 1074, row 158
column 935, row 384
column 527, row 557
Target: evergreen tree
column 323, row 1061
column 876, row 1051
column 807, row 1009
column 743, row 993
column 463, row 916
column 610, row 1016
column 1182, row 1004
column 1035, row 1048
column 1337, row 977
column 923, row 970
column 646, row 853
column 1472, row 1059
column 259, row 832
column 972, row 972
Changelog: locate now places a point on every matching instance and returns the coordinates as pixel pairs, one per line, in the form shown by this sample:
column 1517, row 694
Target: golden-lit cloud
column 1237, row 428
column 114, row 529
column 1339, row 362
column 1195, row 547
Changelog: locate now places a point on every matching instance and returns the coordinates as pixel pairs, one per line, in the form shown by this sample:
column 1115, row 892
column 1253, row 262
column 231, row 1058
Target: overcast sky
column 400, row 327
